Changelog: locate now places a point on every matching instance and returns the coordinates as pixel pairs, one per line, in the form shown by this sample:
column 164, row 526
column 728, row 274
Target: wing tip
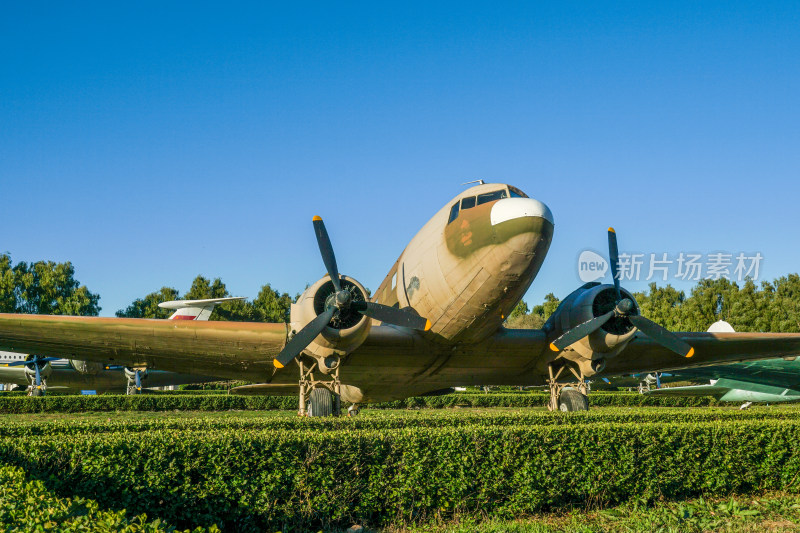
column 428, row 325
column 691, row 353
column 317, row 218
column 277, row 364
column 554, row 347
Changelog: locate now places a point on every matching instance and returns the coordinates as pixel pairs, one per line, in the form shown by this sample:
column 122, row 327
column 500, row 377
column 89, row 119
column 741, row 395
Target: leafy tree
column 520, row 310
column 45, row 288
column 548, row 307
column 270, row 305
column 663, row 305
column 147, row 307
column 203, row 289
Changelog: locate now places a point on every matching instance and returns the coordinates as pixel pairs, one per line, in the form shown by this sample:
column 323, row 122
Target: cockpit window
column 491, row 196
column 516, row 193
column 453, row 213
column 466, row 203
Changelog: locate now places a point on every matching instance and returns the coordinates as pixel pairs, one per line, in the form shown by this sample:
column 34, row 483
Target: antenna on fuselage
column 479, row 182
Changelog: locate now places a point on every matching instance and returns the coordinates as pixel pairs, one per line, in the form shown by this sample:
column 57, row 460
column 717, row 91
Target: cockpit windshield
column 516, row 193
column 491, row 196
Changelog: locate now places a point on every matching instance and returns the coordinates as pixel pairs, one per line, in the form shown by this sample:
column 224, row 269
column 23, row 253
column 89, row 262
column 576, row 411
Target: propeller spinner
column 341, row 302
column 624, row 308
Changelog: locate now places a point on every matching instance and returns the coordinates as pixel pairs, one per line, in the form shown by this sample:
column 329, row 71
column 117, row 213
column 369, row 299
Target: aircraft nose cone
column 509, row 209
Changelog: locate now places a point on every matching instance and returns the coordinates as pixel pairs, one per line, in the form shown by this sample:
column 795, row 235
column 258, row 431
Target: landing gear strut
column 567, row 397
column 135, row 376
column 319, row 397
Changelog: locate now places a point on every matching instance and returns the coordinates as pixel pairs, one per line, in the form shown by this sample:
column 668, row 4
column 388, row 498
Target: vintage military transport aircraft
column 435, row 321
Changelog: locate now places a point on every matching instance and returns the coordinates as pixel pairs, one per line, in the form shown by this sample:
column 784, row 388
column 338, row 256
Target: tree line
column 771, row 306
column 50, row 288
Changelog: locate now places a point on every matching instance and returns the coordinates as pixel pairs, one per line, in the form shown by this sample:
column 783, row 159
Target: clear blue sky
column 150, row 142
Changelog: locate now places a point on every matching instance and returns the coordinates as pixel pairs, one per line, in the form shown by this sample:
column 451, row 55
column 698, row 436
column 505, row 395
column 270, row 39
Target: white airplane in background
column 39, row 373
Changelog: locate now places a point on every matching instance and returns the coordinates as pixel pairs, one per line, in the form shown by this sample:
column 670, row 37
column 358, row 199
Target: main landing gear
column 567, row 397
column 134, row 376
column 319, row 397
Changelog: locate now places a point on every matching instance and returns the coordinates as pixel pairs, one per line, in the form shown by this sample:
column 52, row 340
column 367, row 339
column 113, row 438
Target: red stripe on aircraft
column 183, row 317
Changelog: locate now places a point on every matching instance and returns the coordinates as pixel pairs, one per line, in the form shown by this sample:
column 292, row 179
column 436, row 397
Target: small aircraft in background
column 40, row 373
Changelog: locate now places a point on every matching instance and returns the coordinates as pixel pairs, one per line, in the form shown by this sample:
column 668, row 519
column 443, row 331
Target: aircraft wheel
column 320, row 402
column 133, row 390
column 572, row 400
column 36, row 391
column 353, row 410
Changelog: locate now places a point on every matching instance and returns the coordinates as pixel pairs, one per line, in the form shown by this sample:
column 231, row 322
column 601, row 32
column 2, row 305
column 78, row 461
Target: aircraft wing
column 722, row 387
column 234, row 350
column 692, row 390
column 645, row 355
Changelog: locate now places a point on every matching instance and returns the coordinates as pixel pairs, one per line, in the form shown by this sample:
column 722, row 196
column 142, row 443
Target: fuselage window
column 453, row 213
column 491, row 196
column 516, row 193
column 466, row 203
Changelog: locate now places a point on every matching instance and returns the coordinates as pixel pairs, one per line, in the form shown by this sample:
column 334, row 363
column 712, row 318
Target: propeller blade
column 392, row 315
column 326, row 249
column 580, row 331
column 303, row 338
column 662, row 336
column 613, row 257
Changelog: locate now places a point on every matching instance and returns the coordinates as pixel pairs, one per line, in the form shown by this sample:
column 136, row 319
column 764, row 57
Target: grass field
column 432, row 466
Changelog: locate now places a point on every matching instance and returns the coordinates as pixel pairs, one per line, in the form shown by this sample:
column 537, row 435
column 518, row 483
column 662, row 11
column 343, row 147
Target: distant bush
column 185, row 401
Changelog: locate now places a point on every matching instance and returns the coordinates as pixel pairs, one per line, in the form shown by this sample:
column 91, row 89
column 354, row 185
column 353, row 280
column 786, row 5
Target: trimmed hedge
column 252, row 480
column 389, row 420
column 215, row 402
column 28, row 506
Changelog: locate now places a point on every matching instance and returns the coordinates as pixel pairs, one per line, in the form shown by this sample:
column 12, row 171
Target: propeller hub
column 624, row 307
column 343, row 299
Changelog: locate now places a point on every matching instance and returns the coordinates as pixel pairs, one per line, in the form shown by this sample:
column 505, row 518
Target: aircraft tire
column 320, row 402
column 572, row 400
column 36, row 392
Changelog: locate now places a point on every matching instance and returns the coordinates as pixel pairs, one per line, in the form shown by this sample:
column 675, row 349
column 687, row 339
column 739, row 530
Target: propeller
column 624, row 308
column 36, row 362
column 342, row 301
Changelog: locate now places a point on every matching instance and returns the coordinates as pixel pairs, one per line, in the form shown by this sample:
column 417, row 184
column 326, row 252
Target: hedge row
column 390, row 420
column 27, row 505
column 250, row 481
column 213, row 402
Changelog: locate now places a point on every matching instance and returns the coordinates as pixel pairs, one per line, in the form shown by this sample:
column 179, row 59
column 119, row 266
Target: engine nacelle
column 90, row 368
column 346, row 332
column 45, row 370
column 590, row 301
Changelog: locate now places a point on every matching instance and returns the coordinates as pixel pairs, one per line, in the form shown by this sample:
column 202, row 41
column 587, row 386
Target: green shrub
column 249, row 480
column 222, row 402
column 380, row 420
column 28, row 506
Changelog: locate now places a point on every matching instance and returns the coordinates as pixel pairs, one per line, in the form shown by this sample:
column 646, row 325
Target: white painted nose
column 511, row 208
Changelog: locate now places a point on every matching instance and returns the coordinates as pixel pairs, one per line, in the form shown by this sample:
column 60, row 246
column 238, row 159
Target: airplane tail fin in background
column 194, row 309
